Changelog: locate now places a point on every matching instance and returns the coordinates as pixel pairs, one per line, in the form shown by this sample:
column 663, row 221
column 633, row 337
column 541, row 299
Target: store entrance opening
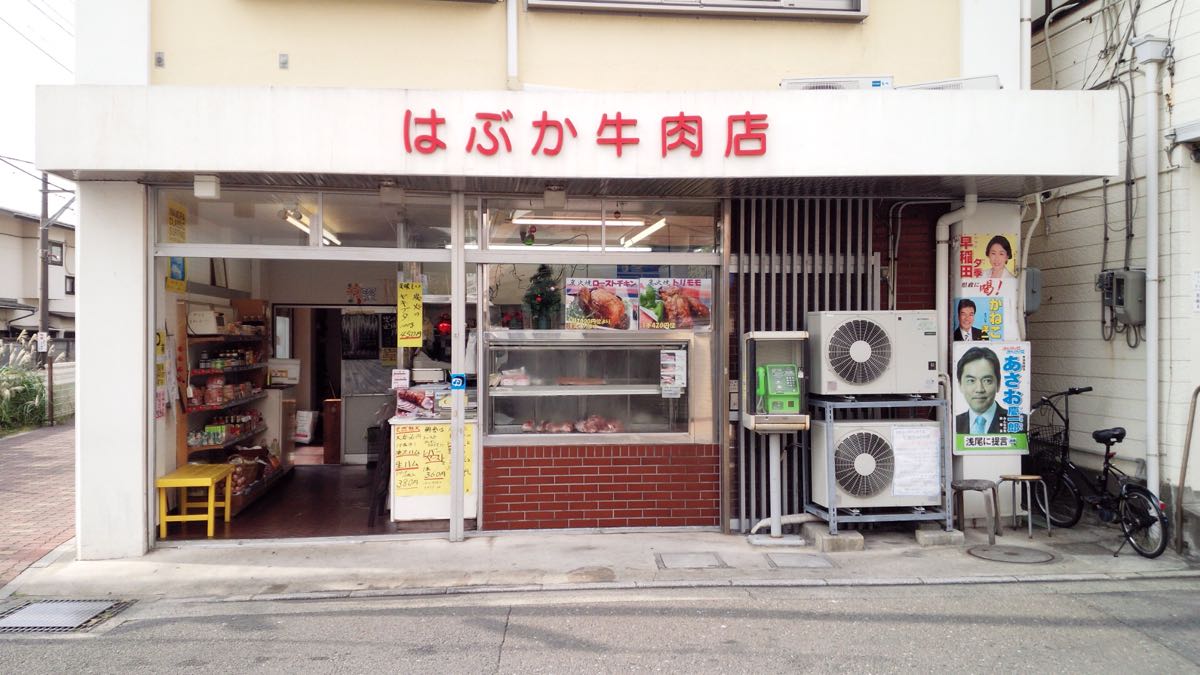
column 294, row 390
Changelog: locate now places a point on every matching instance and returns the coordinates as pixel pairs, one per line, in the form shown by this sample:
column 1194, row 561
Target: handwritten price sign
column 422, row 459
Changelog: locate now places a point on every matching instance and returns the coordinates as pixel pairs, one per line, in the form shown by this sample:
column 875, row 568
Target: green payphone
column 777, row 389
column 772, row 399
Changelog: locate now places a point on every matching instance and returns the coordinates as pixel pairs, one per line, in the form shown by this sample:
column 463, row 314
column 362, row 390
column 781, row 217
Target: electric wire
column 9, row 161
column 50, row 6
column 43, row 12
column 36, row 45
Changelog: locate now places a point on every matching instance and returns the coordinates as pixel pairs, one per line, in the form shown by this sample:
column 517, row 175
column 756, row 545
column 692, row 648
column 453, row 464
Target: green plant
column 22, row 354
column 22, row 398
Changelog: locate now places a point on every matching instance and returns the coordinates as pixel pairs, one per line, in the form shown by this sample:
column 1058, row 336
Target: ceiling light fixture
column 662, row 222
column 579, row 222
column 296, row 217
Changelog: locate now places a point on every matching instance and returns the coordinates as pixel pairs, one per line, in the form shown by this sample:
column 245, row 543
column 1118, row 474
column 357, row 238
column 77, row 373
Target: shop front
column 481, row 310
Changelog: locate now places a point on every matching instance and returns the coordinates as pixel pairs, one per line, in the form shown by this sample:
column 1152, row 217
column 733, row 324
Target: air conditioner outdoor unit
column 864, row 464
column 887, row 353
column 836, row 83
column 981, row 82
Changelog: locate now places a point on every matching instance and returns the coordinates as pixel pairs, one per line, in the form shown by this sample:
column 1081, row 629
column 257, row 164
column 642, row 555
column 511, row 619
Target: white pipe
column 789, row 519
column 775, row 442
column 510, row 28
column 1150, row 117
column 1046, row 42
column 1037, row 220
column 942, row 263
column 1026, row 42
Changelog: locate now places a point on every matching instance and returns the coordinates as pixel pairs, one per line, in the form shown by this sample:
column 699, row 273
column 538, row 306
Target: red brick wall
column 915, row 270
column 600, row 486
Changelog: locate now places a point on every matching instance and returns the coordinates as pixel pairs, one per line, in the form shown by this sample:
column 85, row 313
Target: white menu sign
column 917, row 472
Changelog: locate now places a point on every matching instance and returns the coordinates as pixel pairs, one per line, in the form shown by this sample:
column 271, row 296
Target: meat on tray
column 601, row 303
column 593, row 424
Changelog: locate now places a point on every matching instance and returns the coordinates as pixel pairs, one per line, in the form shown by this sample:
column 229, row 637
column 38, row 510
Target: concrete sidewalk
column 570, row 560
column 37, row 496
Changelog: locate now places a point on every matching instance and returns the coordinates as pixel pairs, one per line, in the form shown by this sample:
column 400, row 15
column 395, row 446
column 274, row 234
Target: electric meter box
column 1125, row 292
column 773, row 382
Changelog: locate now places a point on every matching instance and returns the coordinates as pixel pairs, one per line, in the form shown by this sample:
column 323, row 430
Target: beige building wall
column 1067, row 344
column 435, row 44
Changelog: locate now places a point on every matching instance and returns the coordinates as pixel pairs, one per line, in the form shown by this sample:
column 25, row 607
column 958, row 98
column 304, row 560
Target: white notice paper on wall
column 917, row 472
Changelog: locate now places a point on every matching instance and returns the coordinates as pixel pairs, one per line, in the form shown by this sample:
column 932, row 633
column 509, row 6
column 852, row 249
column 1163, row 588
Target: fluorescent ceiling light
column 296, row 217
column 550, row 247
column 644, row 233
column 581, row 222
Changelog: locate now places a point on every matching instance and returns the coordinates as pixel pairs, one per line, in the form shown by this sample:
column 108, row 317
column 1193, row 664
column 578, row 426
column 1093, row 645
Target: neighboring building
column 309, row 154
column 1097, row 225
column 19, row 276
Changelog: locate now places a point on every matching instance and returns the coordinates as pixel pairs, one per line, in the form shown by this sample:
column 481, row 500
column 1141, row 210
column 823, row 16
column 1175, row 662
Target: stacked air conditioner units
column 865, row 354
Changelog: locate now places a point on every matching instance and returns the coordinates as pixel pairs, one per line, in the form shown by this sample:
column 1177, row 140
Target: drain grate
column 796, row 560
column 689, row 561
column 1011, row 554
column 60, row 616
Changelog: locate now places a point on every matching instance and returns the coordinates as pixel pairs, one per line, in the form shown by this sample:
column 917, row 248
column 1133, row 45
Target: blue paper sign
column 458, row 381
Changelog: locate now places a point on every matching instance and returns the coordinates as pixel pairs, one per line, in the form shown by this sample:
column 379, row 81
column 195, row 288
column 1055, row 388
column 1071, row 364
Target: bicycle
column 1140, row 513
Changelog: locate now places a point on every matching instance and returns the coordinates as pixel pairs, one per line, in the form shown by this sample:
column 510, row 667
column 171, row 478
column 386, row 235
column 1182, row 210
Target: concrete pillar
column 112, row 397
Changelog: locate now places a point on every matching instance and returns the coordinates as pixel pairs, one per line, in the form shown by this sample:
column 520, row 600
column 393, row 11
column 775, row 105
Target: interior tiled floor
column 314, row 501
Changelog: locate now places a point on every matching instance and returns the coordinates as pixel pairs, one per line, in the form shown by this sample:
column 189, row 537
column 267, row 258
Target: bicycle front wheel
column 1143, row 523
column 1066, row 504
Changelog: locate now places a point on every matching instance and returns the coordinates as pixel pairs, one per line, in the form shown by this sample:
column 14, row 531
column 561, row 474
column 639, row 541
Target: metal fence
column 63, row 377
column 792, row 256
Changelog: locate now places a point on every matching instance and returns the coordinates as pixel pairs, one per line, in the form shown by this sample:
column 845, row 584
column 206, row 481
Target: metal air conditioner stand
column 824, row 409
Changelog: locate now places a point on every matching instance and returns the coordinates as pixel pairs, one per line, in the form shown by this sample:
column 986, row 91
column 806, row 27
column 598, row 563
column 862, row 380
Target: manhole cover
column 689, row 561
column 59, row 616
column 1011, row 554
column 796, row 560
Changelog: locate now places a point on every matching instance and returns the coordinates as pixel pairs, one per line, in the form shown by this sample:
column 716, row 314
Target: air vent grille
column 863, row 464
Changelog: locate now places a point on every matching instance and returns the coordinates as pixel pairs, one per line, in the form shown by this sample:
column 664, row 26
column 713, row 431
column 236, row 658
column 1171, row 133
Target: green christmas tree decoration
column 543, row 297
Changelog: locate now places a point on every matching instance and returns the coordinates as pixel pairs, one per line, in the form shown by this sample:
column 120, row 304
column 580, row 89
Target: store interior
column 285, row 368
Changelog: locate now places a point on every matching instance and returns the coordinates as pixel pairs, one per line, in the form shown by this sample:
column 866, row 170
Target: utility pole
column 43, row 338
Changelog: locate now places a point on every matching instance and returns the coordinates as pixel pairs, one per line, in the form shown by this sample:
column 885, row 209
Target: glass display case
column 583, row 385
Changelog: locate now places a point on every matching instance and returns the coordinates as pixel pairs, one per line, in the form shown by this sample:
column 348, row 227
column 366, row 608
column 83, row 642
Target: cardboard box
column 251, row 310
column 283, row 371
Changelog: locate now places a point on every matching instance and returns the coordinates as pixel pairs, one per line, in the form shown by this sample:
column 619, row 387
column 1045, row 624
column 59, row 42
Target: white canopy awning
column 687, row 143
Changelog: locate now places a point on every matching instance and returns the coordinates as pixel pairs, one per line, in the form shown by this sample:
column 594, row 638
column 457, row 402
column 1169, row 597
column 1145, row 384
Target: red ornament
column 443, row 327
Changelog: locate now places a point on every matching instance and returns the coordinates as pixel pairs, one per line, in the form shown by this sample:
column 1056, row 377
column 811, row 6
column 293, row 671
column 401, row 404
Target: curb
column 725, row 583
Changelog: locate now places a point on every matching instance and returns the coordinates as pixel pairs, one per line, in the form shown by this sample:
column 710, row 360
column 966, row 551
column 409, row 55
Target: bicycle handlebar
column 1078, row 390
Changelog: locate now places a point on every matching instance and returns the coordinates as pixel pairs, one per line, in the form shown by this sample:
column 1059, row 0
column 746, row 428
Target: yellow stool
column 189, row 476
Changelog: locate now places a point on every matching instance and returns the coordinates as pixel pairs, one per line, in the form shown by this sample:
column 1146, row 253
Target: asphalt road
column 1135, row 626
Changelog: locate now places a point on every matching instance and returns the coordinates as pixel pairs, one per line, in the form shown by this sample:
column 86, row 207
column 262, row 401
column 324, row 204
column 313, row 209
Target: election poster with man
column 991, row 398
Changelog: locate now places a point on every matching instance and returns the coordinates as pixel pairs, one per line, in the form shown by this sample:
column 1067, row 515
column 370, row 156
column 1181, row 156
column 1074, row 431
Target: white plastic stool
column 1027, row 481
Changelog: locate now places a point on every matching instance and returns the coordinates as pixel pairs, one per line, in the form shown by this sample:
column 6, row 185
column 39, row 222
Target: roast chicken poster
column 669, row 304
column 629, row 304
column 601, row 304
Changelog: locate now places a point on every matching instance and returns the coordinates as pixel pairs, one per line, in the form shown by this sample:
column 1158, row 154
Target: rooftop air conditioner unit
column 836, row 83
column 980, row 83
column 886, row 353
column 864, row 464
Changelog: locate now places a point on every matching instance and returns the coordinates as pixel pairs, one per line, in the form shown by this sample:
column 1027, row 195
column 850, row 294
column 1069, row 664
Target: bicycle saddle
column 1109, row 436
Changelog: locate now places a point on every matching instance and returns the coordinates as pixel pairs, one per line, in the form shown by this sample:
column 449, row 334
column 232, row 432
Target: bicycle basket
column 1050, row 439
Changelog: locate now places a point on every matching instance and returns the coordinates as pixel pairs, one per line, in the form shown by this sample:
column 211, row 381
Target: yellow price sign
column 408, row 314
column 421, row 453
